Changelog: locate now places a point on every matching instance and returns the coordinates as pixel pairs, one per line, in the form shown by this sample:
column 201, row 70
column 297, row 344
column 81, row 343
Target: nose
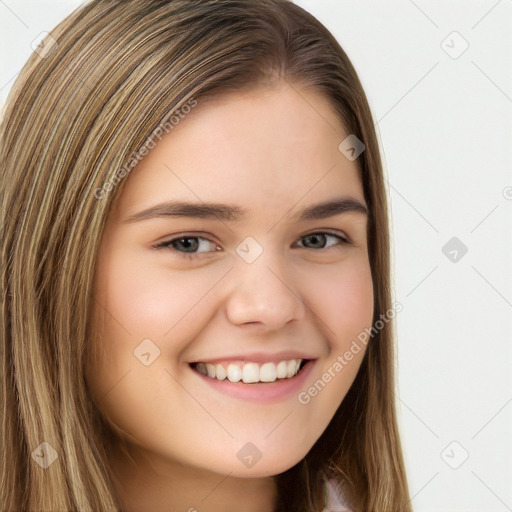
column 263, row 294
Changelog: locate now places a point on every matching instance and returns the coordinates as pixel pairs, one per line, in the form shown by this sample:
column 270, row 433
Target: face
column 249, row 293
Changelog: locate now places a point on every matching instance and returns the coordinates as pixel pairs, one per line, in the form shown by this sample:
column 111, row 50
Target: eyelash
column 168, row 243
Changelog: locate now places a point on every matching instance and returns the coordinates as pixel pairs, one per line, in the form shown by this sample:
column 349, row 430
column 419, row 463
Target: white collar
column 334, row 498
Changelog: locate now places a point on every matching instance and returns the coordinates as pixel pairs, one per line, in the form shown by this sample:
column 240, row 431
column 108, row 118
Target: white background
column 445, row 126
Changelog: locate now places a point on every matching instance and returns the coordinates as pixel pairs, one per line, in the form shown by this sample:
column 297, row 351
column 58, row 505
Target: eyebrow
column 227, row 212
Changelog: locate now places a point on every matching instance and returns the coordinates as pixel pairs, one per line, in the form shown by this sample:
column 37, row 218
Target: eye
column 318, row 240
column 188, row 246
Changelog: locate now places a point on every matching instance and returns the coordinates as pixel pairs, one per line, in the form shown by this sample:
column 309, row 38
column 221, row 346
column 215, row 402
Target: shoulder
column 334, row 498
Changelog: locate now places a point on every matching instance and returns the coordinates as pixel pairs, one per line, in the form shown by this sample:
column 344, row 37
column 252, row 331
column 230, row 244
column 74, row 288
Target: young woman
column 195, row 268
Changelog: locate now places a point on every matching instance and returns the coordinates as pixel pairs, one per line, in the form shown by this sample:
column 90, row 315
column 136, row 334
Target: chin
column 268, row 465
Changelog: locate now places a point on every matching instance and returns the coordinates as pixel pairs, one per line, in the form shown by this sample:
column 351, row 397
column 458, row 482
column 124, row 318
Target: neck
column 143, row 484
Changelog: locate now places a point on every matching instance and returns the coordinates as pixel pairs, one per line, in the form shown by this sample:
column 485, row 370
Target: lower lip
column 263, row 392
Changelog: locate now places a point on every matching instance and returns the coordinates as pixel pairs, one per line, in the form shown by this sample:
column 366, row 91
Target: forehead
column 269, row 146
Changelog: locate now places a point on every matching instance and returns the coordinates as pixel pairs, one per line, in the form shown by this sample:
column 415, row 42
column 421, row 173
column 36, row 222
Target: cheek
column 133, row 302
column 149, row 301
column 344, row 301
column 344, row 304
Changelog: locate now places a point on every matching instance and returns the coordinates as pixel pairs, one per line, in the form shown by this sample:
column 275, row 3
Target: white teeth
column 211, row 370
column 250, row 373
column 281, row 370
column 220, row 373
column 292, row 368
column 201, row 368
column 234, row 373
column 268, row 372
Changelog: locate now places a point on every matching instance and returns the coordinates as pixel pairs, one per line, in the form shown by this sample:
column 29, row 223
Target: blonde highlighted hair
column 74, row 118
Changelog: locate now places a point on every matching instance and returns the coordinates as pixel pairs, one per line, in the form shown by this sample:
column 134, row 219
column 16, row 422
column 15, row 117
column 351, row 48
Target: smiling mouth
column 250, row 372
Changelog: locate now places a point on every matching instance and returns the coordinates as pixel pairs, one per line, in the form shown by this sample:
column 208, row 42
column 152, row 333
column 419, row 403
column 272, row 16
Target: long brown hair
column 111, row 73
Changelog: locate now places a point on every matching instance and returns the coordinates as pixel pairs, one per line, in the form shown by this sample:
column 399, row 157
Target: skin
column 275, row 146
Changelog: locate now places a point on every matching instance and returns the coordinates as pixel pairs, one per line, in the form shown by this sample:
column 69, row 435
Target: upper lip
column 257, row 357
